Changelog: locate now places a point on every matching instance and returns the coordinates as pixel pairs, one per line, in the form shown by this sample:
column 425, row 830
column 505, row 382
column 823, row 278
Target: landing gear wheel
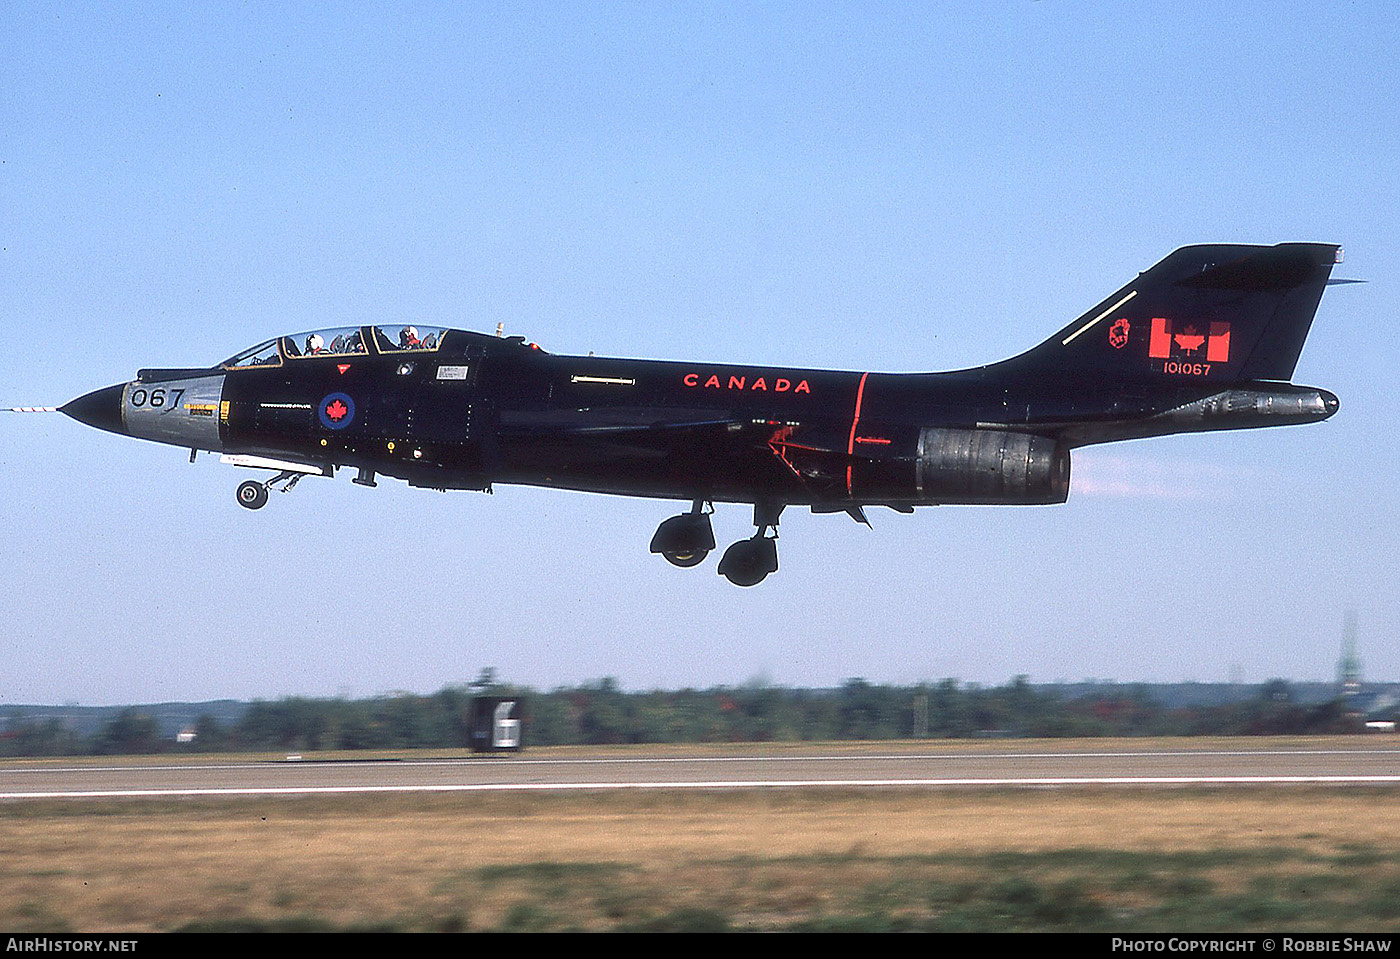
column 686, row 559
column 749, row 561
column 251, row 495
column 685, row 540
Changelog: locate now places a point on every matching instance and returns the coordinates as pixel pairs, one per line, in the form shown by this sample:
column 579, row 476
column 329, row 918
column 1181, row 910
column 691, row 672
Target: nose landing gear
column 253, row 495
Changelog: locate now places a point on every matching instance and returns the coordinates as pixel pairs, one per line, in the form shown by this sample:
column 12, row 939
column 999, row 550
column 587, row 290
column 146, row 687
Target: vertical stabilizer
column 1224, row 313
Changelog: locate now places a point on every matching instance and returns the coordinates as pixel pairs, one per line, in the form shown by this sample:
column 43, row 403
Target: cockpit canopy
column 405, row 337
column 264, row 354
column 340, row 341
column 343, row 341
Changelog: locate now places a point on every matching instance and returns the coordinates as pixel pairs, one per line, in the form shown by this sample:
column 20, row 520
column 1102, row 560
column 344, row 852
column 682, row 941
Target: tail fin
column 1223, row 313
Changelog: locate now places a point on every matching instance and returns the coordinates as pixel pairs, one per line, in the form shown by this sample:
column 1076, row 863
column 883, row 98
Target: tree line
column 601, row 713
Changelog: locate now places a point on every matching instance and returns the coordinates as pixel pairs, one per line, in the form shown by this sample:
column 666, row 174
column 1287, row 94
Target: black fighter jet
column 1205, row 340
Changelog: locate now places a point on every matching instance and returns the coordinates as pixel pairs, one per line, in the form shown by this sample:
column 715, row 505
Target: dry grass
column 769, row 859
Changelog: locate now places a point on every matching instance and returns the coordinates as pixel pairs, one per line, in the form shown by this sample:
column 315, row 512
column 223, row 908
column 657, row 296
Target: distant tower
column 1349, row 666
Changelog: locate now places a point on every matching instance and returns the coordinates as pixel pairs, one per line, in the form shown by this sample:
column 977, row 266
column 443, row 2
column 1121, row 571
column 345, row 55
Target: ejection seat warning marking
column 452, row 372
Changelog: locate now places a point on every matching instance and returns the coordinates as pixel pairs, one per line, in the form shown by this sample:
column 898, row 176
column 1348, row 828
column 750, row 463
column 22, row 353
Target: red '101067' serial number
column 1185, row 369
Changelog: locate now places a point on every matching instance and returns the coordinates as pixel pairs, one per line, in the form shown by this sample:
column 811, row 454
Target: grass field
column 1113, row 859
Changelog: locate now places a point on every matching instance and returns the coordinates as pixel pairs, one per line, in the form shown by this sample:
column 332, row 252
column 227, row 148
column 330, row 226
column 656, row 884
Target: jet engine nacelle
column 993, row 467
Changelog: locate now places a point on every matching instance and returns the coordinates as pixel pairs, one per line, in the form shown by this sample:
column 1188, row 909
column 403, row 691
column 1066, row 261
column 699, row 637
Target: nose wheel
column 253, row 495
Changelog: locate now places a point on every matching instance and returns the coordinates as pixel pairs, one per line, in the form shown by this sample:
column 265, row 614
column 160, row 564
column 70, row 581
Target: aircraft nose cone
column 100, row 408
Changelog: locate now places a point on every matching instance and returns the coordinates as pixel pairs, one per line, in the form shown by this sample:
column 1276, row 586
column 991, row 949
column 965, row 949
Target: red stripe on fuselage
column 855, row 420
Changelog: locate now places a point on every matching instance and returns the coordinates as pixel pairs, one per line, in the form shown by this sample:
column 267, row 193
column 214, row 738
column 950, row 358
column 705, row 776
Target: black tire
column 746, row 576
column 749, row 561
column 686, row 535
column 251, row 495
column 687, row 558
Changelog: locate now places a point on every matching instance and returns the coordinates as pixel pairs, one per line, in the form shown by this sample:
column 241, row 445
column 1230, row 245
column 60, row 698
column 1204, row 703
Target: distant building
column 1349, row 666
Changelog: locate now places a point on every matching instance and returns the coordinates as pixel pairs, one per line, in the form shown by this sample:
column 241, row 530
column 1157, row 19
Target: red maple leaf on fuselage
column 337, row 410
column 1189, row 340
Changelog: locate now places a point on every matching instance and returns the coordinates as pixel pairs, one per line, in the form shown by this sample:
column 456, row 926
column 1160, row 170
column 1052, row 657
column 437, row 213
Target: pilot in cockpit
column 408, row 338
column 314, row 344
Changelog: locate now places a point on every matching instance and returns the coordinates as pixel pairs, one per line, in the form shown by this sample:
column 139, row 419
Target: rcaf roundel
column 336, row 411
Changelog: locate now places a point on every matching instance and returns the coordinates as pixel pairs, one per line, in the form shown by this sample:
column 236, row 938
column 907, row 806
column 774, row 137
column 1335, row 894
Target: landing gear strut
column 253, row 495
column 749, row 561
column 685, row 540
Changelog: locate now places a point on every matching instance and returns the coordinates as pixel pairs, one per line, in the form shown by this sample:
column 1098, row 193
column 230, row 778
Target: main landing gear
column 749, row 561
column 686, row 540
column 253, row 495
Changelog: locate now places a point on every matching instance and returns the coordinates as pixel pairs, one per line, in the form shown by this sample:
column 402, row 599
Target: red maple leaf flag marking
column 1189, row 340
column 1159, row 345
column 1164, row 340
column 1218, row 346
column 337, row 411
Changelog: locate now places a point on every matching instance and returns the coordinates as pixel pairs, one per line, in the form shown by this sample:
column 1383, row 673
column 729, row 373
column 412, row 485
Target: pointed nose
column 100, row 408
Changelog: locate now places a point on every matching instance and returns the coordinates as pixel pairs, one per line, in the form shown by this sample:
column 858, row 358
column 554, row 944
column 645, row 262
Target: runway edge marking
column 716, row 784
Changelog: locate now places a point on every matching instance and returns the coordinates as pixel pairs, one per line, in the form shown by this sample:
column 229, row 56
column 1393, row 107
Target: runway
column 1040, row 764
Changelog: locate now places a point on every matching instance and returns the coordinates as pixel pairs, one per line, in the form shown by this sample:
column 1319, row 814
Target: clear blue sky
column 855, row 186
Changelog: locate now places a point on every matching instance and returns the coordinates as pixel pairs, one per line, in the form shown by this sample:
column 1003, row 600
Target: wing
column 721, row 451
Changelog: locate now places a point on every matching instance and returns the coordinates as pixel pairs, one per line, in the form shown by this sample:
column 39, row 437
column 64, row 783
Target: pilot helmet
column 411, row 332
column 314, row 342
